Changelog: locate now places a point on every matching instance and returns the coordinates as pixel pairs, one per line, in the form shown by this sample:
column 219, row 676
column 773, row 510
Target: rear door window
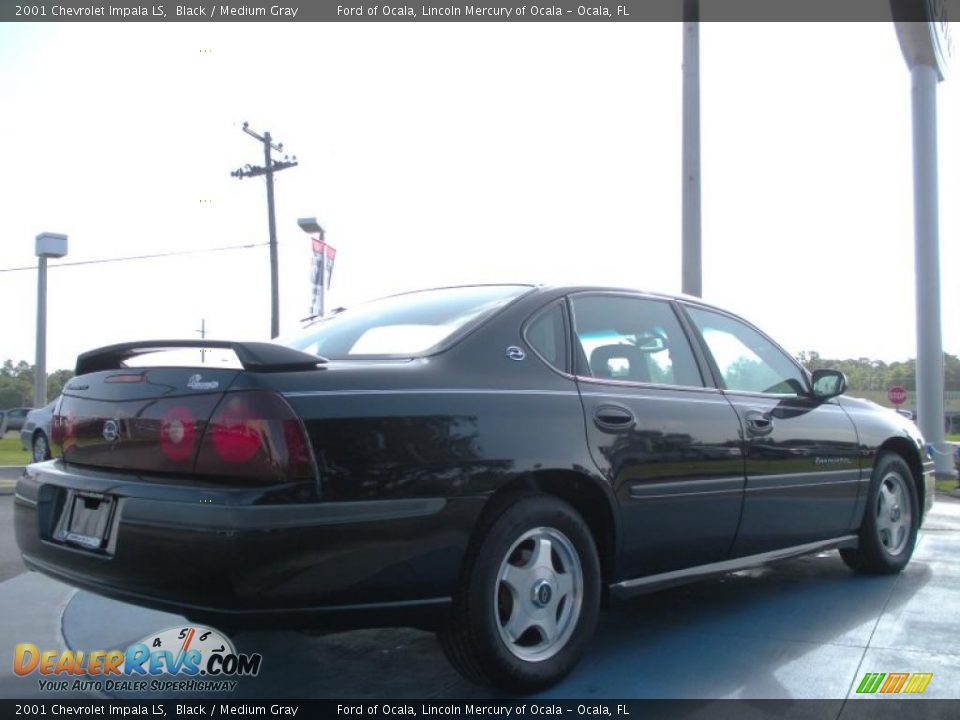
column 632, row 339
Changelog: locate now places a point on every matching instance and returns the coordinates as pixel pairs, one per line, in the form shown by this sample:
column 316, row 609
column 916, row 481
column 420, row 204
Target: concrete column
column 924, row 79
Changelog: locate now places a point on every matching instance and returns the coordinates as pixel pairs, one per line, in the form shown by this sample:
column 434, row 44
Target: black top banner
column 479, row 11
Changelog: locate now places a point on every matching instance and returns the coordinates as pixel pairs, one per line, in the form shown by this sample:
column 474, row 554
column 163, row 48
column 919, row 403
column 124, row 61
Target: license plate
column 86, row 519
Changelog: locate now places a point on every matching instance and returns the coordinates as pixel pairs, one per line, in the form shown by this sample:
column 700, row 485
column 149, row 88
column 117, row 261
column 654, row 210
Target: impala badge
column 515, row 353
column 195, row 383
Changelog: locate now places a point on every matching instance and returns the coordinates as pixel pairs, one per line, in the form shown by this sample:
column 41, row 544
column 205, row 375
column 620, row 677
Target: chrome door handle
column 613, row 417
column 758, row 423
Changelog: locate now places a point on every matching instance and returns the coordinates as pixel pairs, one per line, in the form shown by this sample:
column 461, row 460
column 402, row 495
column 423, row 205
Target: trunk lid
column 148, row 419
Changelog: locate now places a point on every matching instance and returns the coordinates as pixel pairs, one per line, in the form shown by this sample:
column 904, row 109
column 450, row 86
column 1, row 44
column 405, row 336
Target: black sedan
column 493, row 462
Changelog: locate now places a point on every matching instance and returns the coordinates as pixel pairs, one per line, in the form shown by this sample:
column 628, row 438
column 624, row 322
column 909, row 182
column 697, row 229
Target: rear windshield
column 403, row 325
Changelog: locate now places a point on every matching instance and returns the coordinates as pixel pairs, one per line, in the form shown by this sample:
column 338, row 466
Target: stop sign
column 897, row 395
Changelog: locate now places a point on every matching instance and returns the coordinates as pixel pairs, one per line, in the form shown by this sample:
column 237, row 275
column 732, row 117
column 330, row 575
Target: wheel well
column 583, row 494
column 908, row 451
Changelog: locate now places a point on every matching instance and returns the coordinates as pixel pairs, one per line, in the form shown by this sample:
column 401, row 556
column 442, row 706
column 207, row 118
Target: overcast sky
column 441, row 154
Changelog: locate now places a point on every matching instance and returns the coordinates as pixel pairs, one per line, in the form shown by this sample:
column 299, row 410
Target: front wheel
column 529, row 598
column 890, row 523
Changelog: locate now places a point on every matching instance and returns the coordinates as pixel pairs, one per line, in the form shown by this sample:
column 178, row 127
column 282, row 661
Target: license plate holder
column 86, row 519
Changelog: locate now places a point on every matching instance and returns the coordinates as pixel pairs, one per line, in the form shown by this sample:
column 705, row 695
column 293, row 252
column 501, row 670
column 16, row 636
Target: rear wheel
column 40, row 447
column 890, row 523
column 529, row 598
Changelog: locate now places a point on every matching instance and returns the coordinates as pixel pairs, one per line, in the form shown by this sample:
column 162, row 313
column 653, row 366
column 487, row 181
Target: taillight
column 178, row 433
column 237, row 432
column 255, row 435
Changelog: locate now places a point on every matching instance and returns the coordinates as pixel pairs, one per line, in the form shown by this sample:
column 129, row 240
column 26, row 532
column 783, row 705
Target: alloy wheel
column 893, row 513
column 539, row 594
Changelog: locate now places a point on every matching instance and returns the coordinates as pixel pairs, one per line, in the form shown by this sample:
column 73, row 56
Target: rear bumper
column 211, row 555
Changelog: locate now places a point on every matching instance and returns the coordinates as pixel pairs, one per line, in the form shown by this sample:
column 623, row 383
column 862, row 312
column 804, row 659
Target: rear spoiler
column 254, row 356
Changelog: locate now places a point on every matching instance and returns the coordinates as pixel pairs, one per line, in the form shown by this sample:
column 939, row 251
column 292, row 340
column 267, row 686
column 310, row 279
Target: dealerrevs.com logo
column 180, row 659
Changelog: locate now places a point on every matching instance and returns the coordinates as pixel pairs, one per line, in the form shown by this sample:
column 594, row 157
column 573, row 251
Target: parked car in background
column 16, row 417
column 35, row 433
column 493, row 462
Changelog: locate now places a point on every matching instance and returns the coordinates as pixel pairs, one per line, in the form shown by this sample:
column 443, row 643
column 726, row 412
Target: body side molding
column 638, row 586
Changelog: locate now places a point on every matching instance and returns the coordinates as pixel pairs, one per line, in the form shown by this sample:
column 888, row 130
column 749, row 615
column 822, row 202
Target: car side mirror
column 828, row 384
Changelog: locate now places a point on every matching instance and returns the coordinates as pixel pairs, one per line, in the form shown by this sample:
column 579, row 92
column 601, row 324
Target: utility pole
column 203, row 335
column 270, row 166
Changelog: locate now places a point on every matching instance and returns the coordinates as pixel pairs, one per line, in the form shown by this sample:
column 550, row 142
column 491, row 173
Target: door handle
column 758, row 423
column 613, row 417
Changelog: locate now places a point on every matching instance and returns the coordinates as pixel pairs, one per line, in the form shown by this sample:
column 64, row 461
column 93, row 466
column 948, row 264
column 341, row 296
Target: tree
column 55, row 382
column 864, row 374
column 16, row 384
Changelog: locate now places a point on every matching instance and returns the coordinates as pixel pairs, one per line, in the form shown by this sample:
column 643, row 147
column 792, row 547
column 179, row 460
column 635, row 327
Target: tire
column 529, row 597
column 888, row 532
column 40, row 447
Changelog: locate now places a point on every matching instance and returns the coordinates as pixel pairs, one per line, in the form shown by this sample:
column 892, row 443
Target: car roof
column 567, row 289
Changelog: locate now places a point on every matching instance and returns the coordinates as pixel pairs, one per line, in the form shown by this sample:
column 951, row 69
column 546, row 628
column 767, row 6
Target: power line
column 141, row 257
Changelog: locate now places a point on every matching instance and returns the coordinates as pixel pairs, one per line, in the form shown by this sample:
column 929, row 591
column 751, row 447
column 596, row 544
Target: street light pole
column 47, row 245
column 40, row 366
column 692, row 266
column 270, row 166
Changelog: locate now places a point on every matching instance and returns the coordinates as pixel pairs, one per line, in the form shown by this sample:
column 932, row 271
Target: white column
column 924, row 79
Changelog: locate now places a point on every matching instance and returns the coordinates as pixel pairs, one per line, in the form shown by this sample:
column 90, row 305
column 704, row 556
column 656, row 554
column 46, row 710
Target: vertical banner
column 321, row 272
column 330, row 255
column 316, row 275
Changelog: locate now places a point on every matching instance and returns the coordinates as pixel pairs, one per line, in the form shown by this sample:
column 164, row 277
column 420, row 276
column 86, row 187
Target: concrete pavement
column 806, row 628
column 10, row 562
column 8, row 477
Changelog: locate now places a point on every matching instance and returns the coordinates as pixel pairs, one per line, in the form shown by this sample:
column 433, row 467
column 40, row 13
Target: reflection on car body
column 14, row 418
column 35, row 433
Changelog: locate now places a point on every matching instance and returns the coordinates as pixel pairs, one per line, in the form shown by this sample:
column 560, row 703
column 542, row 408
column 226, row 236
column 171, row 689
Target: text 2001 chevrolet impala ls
column 490, row 461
